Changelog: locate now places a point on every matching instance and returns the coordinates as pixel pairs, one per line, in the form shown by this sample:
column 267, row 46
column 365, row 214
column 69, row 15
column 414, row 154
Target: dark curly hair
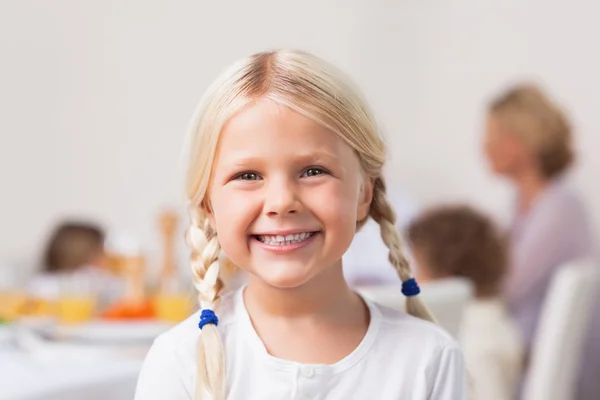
column 72, row 245
column 459, row 241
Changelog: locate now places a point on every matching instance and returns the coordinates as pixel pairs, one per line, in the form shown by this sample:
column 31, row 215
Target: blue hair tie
column 208, row 317
column 410, row 287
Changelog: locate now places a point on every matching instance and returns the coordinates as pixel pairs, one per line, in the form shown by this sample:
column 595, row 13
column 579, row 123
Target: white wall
column 471, row 50
column 431, row 67
column 96, row 96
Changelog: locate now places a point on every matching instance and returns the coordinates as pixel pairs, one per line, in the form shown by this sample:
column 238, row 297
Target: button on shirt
column 400, row 357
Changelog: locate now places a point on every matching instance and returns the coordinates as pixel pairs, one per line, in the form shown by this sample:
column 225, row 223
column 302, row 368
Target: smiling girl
column 285, row 166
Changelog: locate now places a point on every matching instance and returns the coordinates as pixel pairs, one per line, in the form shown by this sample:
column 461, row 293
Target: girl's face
column 285, row 195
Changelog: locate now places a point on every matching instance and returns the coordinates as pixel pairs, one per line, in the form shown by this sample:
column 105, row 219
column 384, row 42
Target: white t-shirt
column 400, row 357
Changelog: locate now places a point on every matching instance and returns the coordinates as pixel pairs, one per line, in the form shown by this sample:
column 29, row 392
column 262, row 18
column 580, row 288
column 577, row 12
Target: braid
column 205, row 250
column 383, row 213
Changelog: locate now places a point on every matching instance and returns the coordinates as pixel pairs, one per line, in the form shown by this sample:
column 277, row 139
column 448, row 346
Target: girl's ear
column 365, row 199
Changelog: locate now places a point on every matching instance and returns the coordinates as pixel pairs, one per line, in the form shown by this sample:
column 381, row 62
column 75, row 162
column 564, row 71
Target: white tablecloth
column 96, row 376
column 99, row 360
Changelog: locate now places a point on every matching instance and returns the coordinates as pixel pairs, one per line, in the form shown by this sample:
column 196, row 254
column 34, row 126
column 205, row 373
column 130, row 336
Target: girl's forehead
column 265, row 128
column 266, row 115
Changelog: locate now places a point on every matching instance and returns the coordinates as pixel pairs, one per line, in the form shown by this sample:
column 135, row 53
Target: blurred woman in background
column 529, row 141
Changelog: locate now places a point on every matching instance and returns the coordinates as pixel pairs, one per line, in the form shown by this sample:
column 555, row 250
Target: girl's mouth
column 282, row 244
column 284, row 240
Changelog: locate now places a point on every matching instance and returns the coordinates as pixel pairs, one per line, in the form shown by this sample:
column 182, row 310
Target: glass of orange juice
column 173, row 307
column 77, row 299
column 172, row 303
column 11, row 304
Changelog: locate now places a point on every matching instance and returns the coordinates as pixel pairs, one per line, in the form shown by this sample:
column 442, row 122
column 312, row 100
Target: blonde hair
column 542, row 125
column 317, row 90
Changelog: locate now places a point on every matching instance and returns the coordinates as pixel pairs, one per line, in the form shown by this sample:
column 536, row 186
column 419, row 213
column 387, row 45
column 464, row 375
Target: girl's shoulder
column 407, row 343
column 397, row 325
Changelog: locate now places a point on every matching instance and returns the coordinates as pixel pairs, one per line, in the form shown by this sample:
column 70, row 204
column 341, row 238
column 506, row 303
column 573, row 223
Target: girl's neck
column 319, row 322
column 530, row 184
column 326, row 294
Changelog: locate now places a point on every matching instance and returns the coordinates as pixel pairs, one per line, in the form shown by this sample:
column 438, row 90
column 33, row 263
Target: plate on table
column 6, row 333
column 103, row 331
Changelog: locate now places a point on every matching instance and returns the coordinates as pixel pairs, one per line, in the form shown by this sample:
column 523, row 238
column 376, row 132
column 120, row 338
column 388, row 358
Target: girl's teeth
column 281, row 240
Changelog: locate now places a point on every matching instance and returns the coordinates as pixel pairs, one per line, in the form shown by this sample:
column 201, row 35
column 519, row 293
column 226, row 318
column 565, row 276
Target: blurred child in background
column 74, row 245
column 75, row 249
column 458, row 241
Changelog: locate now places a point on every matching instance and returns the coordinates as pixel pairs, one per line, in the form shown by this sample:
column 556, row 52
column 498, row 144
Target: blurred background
column 97, row 96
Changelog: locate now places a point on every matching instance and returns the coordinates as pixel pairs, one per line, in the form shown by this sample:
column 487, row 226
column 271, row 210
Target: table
column 33, row 368
column 23, row 377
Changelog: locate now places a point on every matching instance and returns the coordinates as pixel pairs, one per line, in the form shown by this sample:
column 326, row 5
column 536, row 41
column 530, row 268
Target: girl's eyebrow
column 322, row 156
column 246, row 161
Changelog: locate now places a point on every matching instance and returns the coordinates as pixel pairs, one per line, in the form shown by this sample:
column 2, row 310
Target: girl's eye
column 248, row 176
column 313, row 172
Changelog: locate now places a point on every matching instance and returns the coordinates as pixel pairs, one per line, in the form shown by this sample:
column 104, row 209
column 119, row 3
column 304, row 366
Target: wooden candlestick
column 134, row 304
column 130, row 261
column 134, row 280
column 168, row 228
